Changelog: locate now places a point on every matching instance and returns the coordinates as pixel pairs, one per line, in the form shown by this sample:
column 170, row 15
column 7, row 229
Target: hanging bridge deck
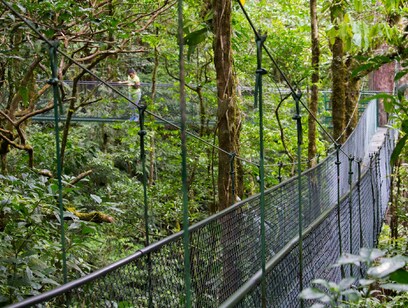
column 225, row 264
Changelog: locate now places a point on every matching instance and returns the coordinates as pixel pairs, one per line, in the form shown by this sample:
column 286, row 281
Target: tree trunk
column 228, row 114
column 338, row 97
column 314, row 98
column 352, row 96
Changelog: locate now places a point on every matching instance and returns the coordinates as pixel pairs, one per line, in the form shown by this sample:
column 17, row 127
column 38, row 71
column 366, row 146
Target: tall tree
column 228, row 114
column 229, row 125
column 338, row 71
column 353, row 85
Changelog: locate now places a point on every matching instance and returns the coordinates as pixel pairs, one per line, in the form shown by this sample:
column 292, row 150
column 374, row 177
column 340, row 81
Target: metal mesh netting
column 362, row 210
column 226, row 248
column 111, row 106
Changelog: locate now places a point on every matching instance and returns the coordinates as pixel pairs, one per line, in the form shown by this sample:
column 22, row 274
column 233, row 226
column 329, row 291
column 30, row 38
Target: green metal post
column 338, row 163
column 258, row 88
column 232, row 174
column 142, row 133
column 378, row 186
column 358, row 161
column 280, row 165
column 186, row 234
column 359, row 201
column 350, row 181
column 374, row 197
column 298, row 118
column 54, row 82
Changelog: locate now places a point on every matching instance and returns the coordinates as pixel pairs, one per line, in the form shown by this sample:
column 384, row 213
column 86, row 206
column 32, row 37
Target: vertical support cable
column 232, row 174
column 298, row 118
column 186, row 234
column 358, row 161
column 350, row 181
column 260, row 39
column 142, row 133
column 54, row 82
column 280, row 165
column 378, row 191
column 373, row 196
column 338, row 163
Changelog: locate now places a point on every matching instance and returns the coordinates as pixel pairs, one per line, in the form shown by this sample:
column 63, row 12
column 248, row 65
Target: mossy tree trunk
column 228, row 113
column 338, row 96
column 352, row 95
column 314, row 97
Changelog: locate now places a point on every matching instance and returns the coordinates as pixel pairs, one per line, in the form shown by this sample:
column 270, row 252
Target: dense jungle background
column 328, row 50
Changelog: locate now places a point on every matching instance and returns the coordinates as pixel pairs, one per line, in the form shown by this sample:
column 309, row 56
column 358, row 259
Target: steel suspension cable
column 378, row 189
column 373, row 196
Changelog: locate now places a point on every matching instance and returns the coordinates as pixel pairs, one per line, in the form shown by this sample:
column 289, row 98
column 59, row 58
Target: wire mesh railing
column 108, row 105
column 225, row 248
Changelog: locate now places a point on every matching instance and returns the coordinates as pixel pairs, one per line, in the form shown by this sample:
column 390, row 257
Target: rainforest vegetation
column 327, row 50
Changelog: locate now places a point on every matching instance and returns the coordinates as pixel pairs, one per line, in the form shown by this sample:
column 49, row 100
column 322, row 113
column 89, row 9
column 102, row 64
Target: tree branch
column 80, row 177
column 34, row 113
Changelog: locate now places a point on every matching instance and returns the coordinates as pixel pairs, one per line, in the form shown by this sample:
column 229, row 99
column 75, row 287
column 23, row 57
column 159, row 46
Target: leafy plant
column 383, row 275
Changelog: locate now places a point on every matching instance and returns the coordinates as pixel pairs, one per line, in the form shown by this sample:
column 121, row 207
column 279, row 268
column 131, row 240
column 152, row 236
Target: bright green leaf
column 387, row 266
column 400, row 74
column 196, row 37
column 358, row 5
column 399, row 276
column 398, row 149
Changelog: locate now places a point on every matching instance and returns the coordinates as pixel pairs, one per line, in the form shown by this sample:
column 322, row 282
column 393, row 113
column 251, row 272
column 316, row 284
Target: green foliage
column 30, row 238
column 383, row 273
column 134, row 34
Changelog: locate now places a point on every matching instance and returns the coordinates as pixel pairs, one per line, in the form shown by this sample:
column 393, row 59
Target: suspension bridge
column 112, row 108
column 261, row 251
column 344, row 202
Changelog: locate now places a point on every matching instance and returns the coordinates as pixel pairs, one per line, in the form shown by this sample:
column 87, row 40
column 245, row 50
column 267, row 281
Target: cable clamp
column 261, row 71
column 53, row 81
column 141, row 108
